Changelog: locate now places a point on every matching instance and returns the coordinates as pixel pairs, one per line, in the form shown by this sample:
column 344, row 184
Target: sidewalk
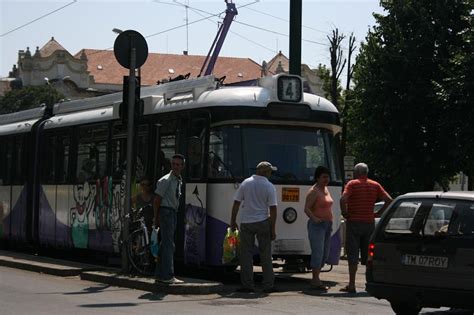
column 337, row 277
column 112, row 276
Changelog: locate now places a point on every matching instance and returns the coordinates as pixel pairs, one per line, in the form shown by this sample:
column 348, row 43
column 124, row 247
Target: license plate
column 425, row 261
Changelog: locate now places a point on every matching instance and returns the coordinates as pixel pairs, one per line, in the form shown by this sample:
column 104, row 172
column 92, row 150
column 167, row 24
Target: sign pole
column 131, row 52
column 130, row 141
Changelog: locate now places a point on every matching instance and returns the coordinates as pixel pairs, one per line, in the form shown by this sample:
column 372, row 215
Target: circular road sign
column 123, row 47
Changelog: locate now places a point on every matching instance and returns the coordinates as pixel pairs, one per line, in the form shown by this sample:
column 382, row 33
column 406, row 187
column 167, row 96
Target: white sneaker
column 170, row 281
column 176, row 281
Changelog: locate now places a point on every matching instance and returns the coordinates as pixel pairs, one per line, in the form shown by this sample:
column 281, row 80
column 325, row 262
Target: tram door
column 186, row 135
column 196, row 191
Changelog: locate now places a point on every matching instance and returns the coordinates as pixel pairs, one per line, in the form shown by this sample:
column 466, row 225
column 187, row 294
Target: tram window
column 62, row 166
column 19, row 160
column 119, row 152
column 92, row 153
column 295, row 152
column 3, row 161
column 225, row 153
column 165, row 153
column 48, row 160
column 315, row 154
column 3, row 154
column 168, row 126
column 8, row 161
column 195, row 148
column 234, row 151
column 119, row 156
column 142, row 152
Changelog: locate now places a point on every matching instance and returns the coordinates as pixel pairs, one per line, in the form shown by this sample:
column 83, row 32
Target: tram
column 62, row 169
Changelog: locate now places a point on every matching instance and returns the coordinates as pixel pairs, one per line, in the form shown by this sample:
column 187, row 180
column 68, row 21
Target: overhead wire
column 211, row 15
column 285, row 20
column 281, row 34
column 245, row 24
column 37, row 19
column 197, row 11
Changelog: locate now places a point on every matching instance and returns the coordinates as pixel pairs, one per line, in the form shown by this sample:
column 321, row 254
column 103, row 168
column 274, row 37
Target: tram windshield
column 234, row 152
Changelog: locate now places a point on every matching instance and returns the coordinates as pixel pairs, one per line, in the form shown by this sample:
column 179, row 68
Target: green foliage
column 28, row 97
column 324, row 74
column 411, row 90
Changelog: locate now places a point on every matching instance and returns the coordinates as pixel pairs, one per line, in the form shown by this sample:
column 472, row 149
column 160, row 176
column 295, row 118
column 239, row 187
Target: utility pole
column 295, row 36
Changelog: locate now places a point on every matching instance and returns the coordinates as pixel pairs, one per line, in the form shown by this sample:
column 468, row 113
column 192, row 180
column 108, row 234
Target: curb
column 105, row 275
column 50, row 269
column 190, row 286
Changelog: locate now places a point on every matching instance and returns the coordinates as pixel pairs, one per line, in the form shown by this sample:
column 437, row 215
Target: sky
column 258, row 32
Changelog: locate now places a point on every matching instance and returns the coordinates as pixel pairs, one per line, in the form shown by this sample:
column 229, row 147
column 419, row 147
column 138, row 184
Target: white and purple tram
column 62, row 169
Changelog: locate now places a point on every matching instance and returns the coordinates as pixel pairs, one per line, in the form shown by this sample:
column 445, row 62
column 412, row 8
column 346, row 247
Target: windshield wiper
column 226, row 167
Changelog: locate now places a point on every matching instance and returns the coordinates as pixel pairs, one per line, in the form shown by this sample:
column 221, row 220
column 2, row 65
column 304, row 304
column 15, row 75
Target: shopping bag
column 230, row 246
column 154, row 245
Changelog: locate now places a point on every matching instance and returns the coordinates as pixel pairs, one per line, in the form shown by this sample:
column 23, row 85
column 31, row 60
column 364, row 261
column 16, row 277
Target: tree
column 347, row 94
column 403, row 112
column 332, row 84
column 28, row 97
column 337, row 65
column 325, row 75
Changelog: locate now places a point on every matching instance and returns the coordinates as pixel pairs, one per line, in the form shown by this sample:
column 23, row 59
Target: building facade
column 92, row 72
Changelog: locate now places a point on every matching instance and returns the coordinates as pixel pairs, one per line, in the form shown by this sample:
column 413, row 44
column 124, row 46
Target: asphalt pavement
column 336, row 278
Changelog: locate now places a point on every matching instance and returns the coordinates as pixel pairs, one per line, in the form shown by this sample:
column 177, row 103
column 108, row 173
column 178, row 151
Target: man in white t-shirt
column 257, row 195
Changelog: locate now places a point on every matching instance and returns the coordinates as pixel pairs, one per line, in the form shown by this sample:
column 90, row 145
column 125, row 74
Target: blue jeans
column 319, row 235
column 165, row 265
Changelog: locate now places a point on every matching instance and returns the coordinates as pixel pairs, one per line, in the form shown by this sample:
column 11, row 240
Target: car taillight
column 370, row 263
column 371, row 250
column 371, row 253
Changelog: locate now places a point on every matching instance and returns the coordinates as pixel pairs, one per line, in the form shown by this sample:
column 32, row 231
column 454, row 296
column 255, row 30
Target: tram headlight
column 290, row 215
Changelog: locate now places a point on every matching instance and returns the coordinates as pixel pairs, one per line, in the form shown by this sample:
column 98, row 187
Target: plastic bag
column 230, row 246
column 154, row 245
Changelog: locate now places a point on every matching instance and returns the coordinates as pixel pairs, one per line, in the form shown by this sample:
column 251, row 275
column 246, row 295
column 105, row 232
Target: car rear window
column 431, row 217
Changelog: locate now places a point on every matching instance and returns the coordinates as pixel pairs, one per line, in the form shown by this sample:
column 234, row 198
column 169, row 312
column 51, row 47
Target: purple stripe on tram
column 17, row 218
column 216, row 231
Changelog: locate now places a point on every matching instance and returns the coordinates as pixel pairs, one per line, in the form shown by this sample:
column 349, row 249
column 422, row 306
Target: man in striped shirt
column 357, row 207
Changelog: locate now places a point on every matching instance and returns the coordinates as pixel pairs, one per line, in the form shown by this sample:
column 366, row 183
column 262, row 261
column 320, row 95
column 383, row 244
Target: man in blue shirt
column 168, row 193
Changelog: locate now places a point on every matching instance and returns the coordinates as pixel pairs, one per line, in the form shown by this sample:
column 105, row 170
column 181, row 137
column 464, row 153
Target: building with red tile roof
column 108, row 74
column 93, row 72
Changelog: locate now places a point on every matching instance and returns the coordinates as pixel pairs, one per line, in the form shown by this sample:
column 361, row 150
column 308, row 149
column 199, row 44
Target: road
column 24, row 292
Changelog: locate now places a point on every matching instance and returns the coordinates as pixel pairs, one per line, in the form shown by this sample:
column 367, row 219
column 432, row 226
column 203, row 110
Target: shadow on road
column 106, row 305
column 89, row 290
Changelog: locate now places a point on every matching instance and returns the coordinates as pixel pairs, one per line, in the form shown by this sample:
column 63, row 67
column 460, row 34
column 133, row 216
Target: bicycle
column 138, row 243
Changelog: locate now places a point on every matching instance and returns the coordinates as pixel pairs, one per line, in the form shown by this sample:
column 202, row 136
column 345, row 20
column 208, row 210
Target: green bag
column 230, row 247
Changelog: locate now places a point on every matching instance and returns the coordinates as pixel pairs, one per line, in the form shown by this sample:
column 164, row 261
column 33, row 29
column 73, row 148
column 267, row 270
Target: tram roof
column 169, row 97
column 252, row 96
column 20, row 122
column 192, row 94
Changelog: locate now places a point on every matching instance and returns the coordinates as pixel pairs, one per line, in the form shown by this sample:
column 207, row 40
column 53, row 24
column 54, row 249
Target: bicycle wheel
column 139, row 253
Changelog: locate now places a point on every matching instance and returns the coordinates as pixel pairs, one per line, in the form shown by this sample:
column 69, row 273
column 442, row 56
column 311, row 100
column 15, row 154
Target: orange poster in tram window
column 290, row 194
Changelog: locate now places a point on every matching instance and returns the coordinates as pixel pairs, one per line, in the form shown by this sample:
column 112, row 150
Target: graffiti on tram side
column 95, row 218
column 87, row 215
